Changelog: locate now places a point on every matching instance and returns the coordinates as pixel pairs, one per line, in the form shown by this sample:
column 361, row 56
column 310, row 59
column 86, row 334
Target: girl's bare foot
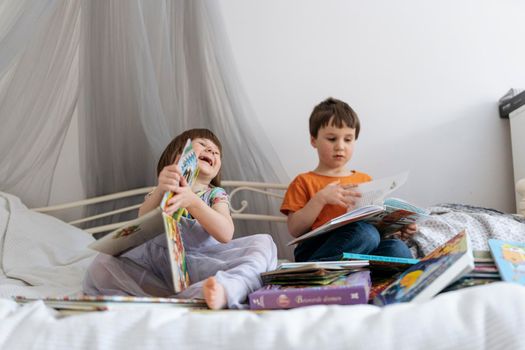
column 214, row 294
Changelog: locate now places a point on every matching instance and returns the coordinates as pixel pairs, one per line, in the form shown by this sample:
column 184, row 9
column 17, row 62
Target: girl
column 222, row 271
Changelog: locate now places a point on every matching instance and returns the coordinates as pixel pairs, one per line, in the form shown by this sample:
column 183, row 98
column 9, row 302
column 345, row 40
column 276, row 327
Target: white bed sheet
column 488, row 317
column 41, row 256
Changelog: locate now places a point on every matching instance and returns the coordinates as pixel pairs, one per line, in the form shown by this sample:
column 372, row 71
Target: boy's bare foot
column 214, row 294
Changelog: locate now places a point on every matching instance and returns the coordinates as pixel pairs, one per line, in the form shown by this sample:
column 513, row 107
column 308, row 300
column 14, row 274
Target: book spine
column 350, row 256
column 292, row 298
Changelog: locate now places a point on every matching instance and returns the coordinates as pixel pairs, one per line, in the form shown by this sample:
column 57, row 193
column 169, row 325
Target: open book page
column 351, row 216
column 374, row 192
column 396, row 214
column 372, row 204
column 132, row 234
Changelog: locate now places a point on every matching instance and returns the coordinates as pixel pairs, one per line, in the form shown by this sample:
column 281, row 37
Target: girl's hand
column 183, row 198
column 406, row 232
column 337, row 194
column 169, row 178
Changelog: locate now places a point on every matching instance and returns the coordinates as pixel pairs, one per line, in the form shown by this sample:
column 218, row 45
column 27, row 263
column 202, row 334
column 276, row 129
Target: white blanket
column 41, row 256
column 488, row 317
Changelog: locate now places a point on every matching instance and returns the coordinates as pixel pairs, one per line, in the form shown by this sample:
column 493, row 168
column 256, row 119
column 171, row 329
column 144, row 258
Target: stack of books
column 294, row 285
column 484, row 272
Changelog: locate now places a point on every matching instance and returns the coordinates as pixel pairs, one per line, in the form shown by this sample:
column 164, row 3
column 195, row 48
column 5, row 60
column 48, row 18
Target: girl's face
column 209, row 157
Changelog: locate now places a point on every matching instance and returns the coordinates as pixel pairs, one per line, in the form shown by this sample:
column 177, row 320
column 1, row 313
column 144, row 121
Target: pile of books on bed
column 373, row 279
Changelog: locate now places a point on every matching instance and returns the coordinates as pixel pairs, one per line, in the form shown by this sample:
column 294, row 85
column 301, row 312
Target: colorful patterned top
column 214, row 195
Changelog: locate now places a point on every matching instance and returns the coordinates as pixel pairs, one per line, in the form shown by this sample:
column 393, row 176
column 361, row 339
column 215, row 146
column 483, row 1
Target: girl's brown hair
column 175, row 147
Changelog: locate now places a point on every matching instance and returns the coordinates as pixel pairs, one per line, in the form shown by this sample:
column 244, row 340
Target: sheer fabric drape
column 39, row 86
column 139, row 72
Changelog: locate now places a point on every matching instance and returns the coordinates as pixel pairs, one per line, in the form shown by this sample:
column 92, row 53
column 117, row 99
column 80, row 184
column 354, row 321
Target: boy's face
column 208, row 155
column 334, row 145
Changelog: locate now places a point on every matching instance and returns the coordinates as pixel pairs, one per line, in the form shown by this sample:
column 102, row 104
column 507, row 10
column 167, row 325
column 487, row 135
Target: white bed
column 43, row 256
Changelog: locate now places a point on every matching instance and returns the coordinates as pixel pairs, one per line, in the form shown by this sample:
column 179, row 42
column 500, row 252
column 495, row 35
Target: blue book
column 510, row 259
column 352, row 256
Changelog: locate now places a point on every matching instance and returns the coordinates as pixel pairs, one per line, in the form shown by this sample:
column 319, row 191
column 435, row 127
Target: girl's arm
column 216, row 220
column 151, row 202
column 169, row 179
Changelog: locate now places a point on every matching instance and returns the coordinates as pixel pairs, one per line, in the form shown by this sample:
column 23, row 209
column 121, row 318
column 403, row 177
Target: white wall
column 424, row 76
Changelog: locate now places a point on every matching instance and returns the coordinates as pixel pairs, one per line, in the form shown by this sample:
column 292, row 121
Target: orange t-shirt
column 306, row 185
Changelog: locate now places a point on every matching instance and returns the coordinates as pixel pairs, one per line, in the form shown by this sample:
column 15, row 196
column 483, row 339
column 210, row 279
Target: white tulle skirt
column 145, row 270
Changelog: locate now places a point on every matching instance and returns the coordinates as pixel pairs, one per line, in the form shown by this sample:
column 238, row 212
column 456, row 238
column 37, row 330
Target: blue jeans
column 357, row 237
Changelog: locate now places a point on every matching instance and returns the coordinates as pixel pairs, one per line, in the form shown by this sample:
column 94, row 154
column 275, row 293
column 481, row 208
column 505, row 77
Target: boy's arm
column 301, row 221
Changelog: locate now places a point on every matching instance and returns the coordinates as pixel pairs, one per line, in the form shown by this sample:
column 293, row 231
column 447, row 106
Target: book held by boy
column 510, row 259
column 438, row 269
column 346, row 290
column 389, row 217
column 155, row 222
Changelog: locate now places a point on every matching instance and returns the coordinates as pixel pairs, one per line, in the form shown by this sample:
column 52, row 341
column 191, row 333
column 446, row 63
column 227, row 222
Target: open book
column 389, row 217
column 150, row 225
column 438, row 269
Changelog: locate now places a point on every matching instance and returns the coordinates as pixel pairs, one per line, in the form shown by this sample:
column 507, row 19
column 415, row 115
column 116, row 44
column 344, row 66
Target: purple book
column 352, row 289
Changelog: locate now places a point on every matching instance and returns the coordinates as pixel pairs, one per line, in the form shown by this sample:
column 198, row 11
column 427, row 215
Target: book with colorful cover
column 155, row 222
column 510, row 259
column 440, row 268
column 347, row 290
column 106, row 303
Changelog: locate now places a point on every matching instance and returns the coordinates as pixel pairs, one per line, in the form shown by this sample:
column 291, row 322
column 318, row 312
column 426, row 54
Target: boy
column 315, row 197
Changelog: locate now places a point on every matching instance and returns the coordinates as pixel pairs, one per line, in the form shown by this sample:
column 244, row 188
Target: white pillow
column 42, row 250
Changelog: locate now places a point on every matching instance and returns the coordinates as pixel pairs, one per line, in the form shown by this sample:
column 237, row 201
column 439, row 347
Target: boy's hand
column 337, row 194
column 406, row 232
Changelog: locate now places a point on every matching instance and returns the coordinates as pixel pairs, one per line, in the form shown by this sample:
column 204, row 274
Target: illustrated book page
column 510, row 259
column 397, row 213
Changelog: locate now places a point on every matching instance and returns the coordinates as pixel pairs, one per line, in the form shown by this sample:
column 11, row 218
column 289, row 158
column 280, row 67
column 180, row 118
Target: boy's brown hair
column 338, row 112
column 175, row 148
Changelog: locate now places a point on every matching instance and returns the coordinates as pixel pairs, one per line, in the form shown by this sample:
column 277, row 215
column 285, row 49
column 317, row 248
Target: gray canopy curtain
column 138, row 73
